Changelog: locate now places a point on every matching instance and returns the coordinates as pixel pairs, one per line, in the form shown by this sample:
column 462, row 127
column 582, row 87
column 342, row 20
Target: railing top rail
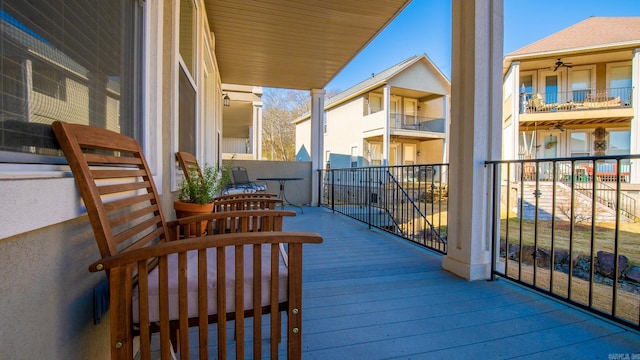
column 383, row 167
column 563, row 159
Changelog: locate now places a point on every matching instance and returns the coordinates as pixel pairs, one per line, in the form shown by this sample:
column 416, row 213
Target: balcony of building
column 602, row 106
column 407, row 126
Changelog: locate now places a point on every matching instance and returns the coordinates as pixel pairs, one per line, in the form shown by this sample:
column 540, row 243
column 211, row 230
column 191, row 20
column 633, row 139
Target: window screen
column 75, row 61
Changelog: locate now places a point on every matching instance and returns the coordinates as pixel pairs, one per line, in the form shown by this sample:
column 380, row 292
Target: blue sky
column 424, row 27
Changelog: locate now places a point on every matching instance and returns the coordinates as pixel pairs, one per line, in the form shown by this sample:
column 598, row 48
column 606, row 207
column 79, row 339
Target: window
column 580, row 84
column 551, row 89
column 87, row 72
column 526, row 83
column 579, row 144
column 48, row 80
column 375, row 103
column 186, row 80
column 375, row 154
column 619, row 82
column 619, row 142
column 620, row 76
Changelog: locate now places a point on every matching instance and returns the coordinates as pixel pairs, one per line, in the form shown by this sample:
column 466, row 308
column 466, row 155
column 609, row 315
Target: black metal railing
column 409, row 201
column 576, row 100
column 553, row 233
column 419, row 123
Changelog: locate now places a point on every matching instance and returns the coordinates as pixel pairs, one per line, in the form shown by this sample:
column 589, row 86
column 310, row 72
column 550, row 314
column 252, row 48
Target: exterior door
column 548, row 144
column 551, row 87
column 410, row 113
column 394, row 113
column 393, row 154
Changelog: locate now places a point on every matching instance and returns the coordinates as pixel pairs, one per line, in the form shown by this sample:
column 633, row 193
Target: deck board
column 370, row 295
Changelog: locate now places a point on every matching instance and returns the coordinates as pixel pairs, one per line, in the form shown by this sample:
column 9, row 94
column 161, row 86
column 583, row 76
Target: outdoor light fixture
column 226, row 100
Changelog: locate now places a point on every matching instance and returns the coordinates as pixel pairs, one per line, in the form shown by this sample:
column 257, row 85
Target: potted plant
column 196, row 191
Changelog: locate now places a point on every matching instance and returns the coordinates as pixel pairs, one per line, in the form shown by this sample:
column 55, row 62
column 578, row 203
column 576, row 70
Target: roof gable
column 420, row 76
column 420, row 68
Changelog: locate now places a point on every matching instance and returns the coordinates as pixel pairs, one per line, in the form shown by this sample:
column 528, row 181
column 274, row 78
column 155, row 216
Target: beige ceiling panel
column 293, row 44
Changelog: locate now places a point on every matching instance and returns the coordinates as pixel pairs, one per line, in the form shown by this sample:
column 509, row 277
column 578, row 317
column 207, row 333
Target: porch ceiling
column 298, row 44
column 575, row 123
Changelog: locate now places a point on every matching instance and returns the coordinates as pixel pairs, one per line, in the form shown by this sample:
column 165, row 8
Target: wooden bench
column 158, row 283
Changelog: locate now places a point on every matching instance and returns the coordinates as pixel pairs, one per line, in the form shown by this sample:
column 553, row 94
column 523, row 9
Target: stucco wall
column 46, row 295
column 297, row 192
column 345, row 124
column 430, row 152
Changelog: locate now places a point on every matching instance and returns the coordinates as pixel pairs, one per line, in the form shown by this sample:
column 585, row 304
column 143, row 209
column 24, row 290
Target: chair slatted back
column 240, row 176
column 245, row 203
column 116, row 186
column 246, row 196
column 188, row 163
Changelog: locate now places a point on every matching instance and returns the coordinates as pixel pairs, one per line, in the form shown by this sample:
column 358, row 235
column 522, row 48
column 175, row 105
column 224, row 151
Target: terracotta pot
column 185, row 209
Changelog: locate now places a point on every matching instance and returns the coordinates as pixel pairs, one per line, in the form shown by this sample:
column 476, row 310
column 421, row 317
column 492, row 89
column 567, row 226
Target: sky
column 424, row 27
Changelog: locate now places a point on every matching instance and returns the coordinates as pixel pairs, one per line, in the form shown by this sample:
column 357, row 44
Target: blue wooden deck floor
column 370, row 295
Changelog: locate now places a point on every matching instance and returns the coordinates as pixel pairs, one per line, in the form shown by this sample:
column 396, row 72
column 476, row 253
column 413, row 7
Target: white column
column 386, row 137
column 317, row 141
column 446, row 110
column 476, row 133
column 256, row 138
column 515, row 110
column 635, row 122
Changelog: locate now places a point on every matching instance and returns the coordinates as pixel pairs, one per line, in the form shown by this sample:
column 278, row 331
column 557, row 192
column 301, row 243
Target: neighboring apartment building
column 575, row 93
column 242, row 122
column 397, row 117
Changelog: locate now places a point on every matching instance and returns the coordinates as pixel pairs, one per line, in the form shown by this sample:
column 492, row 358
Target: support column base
column 471, row 272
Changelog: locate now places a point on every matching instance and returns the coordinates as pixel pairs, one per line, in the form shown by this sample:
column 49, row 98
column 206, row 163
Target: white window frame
column 53, row 185
column 592, row 85
column 615, row 64
column 588, row 140
column 608, row 138
column 534, row 82
column 177, row 58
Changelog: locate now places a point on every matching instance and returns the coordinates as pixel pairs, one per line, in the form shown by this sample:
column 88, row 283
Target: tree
column 281, row 108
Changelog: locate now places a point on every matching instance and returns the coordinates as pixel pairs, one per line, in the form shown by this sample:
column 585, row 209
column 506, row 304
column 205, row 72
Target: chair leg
column 173, row 336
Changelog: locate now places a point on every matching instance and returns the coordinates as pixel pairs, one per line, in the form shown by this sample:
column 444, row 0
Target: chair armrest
column 220, row 222
column 203, row 243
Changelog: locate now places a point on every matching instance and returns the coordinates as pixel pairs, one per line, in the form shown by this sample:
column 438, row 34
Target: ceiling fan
column 559, row 126
column 561, row 63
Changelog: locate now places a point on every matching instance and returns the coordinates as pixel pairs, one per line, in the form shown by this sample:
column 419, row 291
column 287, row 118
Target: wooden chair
column 188, row 163
column 230, row 202
column 245, row 203
column 158, row 283
column 246, row 196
